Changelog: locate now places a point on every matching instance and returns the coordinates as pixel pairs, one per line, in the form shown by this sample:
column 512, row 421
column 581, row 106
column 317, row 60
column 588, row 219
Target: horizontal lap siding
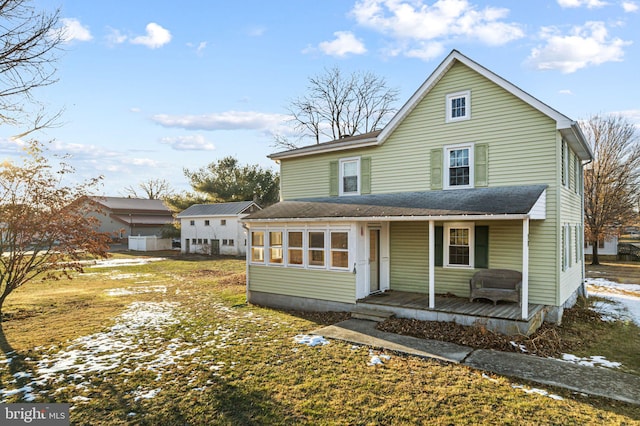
column 409, row 251
column 315, row 284
column 522, row 150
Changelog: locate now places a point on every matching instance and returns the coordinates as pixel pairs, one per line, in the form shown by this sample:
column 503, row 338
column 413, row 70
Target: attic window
column 458, row 106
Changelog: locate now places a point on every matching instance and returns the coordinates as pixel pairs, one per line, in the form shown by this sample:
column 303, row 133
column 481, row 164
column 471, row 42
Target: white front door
column 373, row 251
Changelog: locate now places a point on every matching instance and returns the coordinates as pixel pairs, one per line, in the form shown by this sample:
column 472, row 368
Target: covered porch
column 504, row 317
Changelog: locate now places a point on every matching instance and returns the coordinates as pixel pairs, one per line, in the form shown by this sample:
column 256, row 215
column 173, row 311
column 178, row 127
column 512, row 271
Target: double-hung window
column 459, row 245
column 257, row 246
column 295, row 250
column 339, row 249
column 316, row 248
column 275, row 247
column 458, row 106
column 458, row 166
column 350, row 176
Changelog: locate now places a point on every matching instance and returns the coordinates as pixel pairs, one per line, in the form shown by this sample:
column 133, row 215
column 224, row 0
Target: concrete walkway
column 589, row 380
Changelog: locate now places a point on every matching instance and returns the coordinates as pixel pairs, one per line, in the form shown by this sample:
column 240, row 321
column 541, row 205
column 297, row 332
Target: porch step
column 371, row 314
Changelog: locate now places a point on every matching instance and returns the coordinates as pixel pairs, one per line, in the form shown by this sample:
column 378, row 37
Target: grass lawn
column 173, row 342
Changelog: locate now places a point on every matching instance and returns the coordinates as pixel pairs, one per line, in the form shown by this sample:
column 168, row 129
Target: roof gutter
column 463, row 217
column 320, row 149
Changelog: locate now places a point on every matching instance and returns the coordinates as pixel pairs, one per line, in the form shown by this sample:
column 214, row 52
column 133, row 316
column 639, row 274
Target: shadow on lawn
column 18, row 363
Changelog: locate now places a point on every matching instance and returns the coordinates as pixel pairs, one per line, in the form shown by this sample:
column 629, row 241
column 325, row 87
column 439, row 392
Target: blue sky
column 152, row 87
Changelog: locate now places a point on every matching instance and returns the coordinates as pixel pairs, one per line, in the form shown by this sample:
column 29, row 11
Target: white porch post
column 525, row 268
column 432, row 263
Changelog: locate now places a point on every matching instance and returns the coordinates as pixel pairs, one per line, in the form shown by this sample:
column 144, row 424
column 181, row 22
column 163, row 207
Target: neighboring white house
column 608, row 246
column 215, row 228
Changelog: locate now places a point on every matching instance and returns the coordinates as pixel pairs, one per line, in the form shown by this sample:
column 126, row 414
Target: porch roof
column 480, row 202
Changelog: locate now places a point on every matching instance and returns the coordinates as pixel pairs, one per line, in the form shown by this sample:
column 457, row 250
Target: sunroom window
column 295, row 250
column 257, row 246
column 275, row 247
column 339, row 249
column 316, row 248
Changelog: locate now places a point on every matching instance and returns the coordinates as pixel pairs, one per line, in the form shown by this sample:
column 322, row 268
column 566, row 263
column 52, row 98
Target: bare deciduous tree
column 337, row 106
column 611, row 181
column 153, row 189
column 30, row 43
column 44, row 230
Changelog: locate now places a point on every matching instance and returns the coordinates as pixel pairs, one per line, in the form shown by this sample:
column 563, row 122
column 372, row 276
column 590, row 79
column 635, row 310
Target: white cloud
column 421, row 30
column 144, row 162
column 72, row 30
column 584, row 46
column 156, row 36
column 591, row 4
column 565, row 92
column 188, row 143
column 629, row 6
column 230, row 120
column 115, row 37
column 344, row 44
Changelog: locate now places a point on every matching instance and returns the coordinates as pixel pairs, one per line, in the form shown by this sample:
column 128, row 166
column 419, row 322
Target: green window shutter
column 439, row 236
column 436, row 168
column 365, row 175
column 481, row 247
column 481, row 166
column 333, row 178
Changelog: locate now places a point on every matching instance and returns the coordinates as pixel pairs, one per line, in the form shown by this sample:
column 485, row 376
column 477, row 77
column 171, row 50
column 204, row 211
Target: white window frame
column 466, row 94
column 308, row 249
column 341, row 163
column 303, row 248
column 459, row 225
column 281, row 247
column 447, row 150
column 331, row 249
column 264, row 246
column 192, row 223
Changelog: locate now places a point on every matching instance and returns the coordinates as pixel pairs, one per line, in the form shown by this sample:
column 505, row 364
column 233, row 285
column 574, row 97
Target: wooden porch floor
column 451, row 305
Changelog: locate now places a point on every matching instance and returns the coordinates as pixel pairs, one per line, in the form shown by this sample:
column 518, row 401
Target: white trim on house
column 447, row 149
column 470, row 227
column 342, row 162
column 466, row 95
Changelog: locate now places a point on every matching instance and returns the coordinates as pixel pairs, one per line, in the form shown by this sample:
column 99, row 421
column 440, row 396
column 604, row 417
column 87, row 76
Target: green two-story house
column 471, row 173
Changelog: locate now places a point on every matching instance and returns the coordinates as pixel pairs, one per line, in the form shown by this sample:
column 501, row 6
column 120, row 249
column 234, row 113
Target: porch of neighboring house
column 505, row 317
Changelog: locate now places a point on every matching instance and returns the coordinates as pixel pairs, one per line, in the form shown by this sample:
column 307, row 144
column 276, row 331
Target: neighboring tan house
column 471, row 173
column 215, row 228
column 122, row 217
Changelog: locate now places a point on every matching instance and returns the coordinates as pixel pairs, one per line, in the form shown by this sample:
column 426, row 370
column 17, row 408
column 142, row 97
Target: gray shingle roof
column 479, row 201
column 217, row 209
column 138, row 204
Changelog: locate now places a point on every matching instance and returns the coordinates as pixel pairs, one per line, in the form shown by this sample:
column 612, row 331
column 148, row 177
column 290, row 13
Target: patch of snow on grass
column 538, row 391
column 127, row 276
column 310, row 340
column 624, row 300
column 139, row 394
column 109, row 263
column 135, row 290
column 591, row 361
column 377, row 358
